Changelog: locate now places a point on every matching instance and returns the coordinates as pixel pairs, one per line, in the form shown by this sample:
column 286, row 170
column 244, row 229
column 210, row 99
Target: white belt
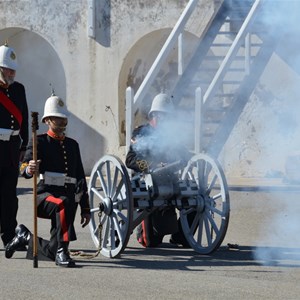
column 15, row 132
column 59, row 179
column 5, row 133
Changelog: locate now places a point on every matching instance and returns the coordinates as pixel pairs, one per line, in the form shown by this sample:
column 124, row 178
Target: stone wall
column 54, row 50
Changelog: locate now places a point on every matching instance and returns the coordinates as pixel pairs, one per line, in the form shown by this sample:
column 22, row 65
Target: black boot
column 20, row 240
column 63, row 258
column 20, row 228
column 178, row 238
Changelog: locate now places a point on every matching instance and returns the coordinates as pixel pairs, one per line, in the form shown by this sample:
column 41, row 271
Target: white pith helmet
column 161, row 103
column 8, row 57
column 54, row 107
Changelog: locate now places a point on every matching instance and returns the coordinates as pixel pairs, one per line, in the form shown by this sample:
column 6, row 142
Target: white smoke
column 164, row 140
column 267, row 133
column 279, row 238
column 275, row 129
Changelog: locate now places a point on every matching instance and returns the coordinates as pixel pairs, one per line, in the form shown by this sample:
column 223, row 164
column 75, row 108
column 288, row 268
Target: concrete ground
column 264, row 264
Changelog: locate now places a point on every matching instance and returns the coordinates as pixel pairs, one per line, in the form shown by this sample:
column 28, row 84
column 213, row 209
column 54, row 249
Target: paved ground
column 266, row 264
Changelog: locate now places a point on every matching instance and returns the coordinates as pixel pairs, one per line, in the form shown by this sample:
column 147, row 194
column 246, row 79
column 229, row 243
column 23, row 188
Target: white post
column 198, row 120
column 180, row 55
column 247, row 53
column 129, row 115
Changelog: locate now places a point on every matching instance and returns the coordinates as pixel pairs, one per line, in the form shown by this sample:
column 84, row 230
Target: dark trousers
column 61, row 211
column 9, row 173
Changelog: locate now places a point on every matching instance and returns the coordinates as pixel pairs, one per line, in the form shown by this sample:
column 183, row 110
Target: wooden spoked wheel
column 205, row 224
column 111, row 205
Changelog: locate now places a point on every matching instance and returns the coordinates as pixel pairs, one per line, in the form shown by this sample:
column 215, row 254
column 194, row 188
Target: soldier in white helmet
column 13, row 140
column 154, row 145
column 62, row 187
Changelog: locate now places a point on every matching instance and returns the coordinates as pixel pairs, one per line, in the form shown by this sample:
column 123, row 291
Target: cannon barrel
column 169, row 168
column 161, row 182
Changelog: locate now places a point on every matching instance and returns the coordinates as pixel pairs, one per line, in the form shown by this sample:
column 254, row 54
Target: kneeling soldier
column 61, row 187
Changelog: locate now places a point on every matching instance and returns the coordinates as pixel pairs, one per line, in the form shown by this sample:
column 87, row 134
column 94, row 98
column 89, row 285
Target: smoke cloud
column 279, row 239
column 268, row 135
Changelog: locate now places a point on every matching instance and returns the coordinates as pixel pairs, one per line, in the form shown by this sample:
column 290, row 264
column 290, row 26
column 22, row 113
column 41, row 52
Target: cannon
column 198, row 190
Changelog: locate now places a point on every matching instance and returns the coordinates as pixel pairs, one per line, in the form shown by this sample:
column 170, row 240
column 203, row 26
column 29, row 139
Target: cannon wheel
column 205, row 224
column 111, row 205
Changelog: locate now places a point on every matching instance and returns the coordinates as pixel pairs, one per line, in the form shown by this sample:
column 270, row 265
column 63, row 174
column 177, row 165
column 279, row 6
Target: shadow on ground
column 24, row 190
column 167, row 257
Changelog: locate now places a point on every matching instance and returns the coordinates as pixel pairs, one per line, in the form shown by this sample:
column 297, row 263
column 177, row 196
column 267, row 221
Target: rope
column 83, row 254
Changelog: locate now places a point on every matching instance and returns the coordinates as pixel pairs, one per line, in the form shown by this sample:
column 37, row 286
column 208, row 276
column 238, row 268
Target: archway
column 40, row 68
column 137, row 63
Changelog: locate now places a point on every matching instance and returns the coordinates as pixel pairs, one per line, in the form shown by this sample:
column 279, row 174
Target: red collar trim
column 54, row 136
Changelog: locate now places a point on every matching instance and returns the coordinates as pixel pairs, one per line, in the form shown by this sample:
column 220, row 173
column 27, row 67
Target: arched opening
column 136, row 65
column 40, row 69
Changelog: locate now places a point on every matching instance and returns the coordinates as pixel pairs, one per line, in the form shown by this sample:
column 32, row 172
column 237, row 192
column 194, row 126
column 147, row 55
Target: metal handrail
column 240, row 37
column 164, row 52
column 133, row 101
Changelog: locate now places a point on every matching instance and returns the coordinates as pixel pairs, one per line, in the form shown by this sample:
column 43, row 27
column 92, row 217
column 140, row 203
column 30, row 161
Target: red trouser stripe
column 62, row 216
column 144, row 233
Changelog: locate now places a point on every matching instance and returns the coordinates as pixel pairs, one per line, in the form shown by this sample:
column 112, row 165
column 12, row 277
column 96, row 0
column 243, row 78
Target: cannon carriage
column 119, row 202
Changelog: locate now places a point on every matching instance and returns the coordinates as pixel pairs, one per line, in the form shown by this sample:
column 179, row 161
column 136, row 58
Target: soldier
column 13, row 140
column 154, row 145
column 61, row 188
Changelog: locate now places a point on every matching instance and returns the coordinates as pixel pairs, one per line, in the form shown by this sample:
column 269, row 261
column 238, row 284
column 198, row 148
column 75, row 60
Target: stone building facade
column 55, row 50
column 89, row 52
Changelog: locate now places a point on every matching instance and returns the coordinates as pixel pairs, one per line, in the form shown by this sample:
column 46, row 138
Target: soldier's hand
column 33, row 167
column 85, row 219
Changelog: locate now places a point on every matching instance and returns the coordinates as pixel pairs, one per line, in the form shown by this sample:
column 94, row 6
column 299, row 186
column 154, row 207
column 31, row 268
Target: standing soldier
column 61, row 188
column 13, row 140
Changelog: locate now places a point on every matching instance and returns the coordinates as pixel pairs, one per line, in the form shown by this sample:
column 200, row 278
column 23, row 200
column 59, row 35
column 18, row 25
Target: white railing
column 240, row 37
column 164, row 52
column 133, row 101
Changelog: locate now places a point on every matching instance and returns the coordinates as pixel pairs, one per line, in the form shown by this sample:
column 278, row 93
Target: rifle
column 35, row 127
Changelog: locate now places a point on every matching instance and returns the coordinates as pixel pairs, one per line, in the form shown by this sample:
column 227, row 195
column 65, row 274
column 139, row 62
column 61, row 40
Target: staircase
column 227, row 66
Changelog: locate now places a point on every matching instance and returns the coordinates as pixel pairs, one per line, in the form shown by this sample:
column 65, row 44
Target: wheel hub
column 107, row 206
column 200, row 202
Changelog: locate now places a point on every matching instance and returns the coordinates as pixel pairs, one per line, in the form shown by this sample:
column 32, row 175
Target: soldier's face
column 158, row 118
column 57, row 125
column 9, row 75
